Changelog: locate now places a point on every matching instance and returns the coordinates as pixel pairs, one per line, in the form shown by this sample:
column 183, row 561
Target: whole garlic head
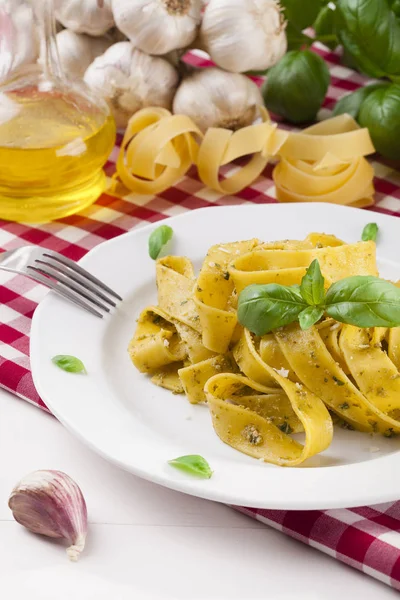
column 158, row 26
column 214, row 98
column 130, row 80
column 85, row 16
column 77, row 51
column 244, row 35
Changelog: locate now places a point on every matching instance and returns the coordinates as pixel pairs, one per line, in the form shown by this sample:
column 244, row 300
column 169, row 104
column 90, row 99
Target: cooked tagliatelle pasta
column 263, row 391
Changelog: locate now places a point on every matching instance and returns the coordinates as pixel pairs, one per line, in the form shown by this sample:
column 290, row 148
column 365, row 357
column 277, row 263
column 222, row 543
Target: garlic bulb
column 77, row 51
column 52, row 504
column 244, row 35
column 85, row 16
column 214, row 98
column 158, row 26
column 18, row 42
column 130, row 80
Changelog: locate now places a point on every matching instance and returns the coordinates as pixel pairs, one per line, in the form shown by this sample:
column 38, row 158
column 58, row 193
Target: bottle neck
column 46, row 27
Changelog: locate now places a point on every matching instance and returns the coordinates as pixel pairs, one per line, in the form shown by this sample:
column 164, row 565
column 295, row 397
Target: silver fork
column 63, row 276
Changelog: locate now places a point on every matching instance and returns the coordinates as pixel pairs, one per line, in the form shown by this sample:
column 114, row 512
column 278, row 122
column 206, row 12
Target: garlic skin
column 214, row 98
column 52, row 504
column 85, row 16
column 158, row 26
column 19, row 44
column 77, row 51
column 130, row 80
column 244, row 35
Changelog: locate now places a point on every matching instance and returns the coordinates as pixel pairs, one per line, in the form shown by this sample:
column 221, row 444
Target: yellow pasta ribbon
column 168, row 378
column 194, row 377
column 375, row 375
column 221, row 146
column 155, row 343
column 340, row 136
column 308, row 356
column 213, row 295
column 287, row 267
column 248, row 427
column 157, row 150
column 325, row 163
column 175, row 282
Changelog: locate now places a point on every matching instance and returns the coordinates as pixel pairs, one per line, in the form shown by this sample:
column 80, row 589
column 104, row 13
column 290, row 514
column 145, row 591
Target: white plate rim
column 357, row 476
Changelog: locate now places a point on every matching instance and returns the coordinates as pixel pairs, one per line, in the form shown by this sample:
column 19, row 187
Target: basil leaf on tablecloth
column 370, row 232
column 157, row 240
column 283, row 91
column 351, row 104
column 69, row 363
column 301, row 14
column 312, row 285
column 194, row 464
column 263, row 308
column 380, row 112
column 364, row 301
column 370, row 31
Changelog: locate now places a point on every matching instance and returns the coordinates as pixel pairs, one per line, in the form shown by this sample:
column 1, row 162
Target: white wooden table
column 147, row 542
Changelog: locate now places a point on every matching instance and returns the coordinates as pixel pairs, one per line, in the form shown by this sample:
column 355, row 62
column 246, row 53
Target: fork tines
column 73, row 282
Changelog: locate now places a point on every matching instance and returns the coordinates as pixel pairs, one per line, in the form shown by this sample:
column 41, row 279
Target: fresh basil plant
column 380, row 112
column 370, row 31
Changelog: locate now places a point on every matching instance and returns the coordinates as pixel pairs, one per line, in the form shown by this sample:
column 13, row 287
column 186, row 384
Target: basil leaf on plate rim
column 370, row 232
column 69, row 363
column 194, row 464
column 158, row 239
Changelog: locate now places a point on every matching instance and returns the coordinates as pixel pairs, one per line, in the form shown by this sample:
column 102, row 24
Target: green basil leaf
column 194, row 464
column 364, row 301
column 380, row 112
column 395, row 6
column 370, row 232
column 263, row 308
column 301, row 13
column 309, row 316
column 351, row 104
column 296, row 87
column 157, row 240
column 312, row 285
column 296, row 39
column 370, row 31
column 325, row 27
column 68, row 363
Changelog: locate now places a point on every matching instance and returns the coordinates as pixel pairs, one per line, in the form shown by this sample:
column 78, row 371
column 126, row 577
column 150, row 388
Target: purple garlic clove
column 52, row 504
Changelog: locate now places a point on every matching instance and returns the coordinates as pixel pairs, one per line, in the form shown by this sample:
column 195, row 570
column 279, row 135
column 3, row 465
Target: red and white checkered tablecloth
column 367, row 538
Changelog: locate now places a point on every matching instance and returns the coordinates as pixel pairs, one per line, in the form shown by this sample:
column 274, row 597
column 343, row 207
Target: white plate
column 118, row 413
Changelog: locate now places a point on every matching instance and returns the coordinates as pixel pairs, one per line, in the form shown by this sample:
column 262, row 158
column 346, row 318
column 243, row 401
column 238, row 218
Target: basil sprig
column 364, row 301
column 158, row 239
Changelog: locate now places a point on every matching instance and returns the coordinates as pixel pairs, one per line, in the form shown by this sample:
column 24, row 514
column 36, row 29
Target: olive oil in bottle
column 55, row 137
column 52, row 150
